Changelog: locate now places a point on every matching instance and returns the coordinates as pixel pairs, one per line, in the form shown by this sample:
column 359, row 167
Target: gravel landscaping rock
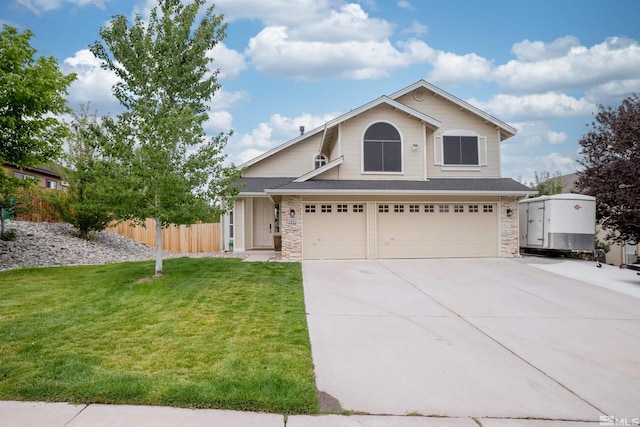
column 45, row 244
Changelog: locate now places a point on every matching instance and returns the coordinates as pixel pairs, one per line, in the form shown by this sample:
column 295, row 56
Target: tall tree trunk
column 158, row 247
column 1, row 222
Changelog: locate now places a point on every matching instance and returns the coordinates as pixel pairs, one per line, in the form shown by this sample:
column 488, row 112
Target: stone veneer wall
column 510, row 246
column 291, row 228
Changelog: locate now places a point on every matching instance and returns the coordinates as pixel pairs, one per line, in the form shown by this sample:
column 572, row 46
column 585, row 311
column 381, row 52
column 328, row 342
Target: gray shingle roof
column 436, row 185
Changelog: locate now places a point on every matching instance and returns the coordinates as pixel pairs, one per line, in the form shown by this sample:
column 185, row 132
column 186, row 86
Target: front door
column 263, row 213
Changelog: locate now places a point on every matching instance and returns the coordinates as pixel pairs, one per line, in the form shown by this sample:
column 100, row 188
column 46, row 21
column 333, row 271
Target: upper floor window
column 319, row 160
column 460, row 150
column 382, row 149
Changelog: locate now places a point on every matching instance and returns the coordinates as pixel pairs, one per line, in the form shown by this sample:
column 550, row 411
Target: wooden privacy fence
column 37, row 211
column 187, row 239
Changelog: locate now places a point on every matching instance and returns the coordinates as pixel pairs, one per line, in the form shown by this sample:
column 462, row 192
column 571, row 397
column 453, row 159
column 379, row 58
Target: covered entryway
column 334, row 230
column 434, row 230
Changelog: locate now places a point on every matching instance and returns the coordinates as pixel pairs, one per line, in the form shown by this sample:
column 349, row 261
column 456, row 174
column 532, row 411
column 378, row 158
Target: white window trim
column 362, row 171
column 438, row 151
column 316, row 157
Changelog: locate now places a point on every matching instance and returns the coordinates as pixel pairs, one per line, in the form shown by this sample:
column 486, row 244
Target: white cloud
column 613, row 92
column 449, row 68
column 230, row 62
column 404, row 4
column 219, row 121
column 223, row 100
column 273, row 12
column 528, row 51
column 535, row 107
column 416, row 28
column 350, row 23
column 39, row 6
column 273, row 52
column 267, row 135
column 578, row 68
column 93, row 84
column 529, row 152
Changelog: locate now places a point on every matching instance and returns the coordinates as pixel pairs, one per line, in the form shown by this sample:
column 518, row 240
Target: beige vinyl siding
column 293, row 161
column 411, row 130
column 452, row 118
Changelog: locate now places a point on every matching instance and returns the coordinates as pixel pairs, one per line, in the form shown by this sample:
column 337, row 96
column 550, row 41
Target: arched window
column 382, row 148
column 319, row 160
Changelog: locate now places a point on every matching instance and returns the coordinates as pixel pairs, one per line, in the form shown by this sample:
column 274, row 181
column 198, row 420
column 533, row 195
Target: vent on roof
column 301, row 130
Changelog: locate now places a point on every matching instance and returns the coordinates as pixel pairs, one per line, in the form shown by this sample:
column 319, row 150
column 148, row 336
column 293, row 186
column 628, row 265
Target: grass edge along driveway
column 212, row 333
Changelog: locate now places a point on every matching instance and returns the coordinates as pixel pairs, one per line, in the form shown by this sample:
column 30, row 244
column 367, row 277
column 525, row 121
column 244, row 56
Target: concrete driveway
column 478, row 338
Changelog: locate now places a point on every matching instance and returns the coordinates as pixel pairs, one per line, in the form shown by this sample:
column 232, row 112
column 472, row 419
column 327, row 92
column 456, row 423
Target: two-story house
column 415, row 174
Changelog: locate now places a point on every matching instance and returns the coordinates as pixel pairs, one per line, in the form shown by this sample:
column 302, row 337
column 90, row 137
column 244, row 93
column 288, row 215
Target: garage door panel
column 334, row 231
column 425, row 233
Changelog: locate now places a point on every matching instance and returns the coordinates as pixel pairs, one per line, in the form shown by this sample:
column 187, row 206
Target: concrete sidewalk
column 38, row 414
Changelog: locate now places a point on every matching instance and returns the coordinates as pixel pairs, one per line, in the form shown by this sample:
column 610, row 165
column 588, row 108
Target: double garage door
column 399, row 230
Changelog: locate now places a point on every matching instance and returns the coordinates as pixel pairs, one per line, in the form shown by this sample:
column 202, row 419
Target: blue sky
column 541, row 66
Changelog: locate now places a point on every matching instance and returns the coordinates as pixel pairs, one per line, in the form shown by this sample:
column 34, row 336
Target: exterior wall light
column 509, row 212
column 292, row 213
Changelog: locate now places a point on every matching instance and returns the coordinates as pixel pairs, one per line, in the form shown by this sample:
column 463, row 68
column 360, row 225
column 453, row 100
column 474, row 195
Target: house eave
column 302, row 192
column 507, row 130
column 332, row 164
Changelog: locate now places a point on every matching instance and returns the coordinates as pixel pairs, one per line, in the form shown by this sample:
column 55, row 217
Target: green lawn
column 212, row 333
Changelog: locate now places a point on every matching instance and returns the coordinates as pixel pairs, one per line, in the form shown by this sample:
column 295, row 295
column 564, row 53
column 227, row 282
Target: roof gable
column 430, row 121
column 506, row 131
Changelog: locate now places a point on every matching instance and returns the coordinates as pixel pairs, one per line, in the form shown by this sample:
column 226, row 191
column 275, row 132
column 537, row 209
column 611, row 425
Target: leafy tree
column 158, row 163
column 611, row 160
column 32, row 93
column 547, row 184
column 83, row 205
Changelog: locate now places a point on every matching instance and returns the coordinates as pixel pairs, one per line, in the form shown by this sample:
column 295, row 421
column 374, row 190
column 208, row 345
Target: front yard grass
column 211, row 333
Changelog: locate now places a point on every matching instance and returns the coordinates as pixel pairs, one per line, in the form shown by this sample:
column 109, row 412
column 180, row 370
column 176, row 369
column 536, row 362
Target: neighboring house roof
column 505, row 130
column 51, row 170
column 461, row 186
column 568, row 182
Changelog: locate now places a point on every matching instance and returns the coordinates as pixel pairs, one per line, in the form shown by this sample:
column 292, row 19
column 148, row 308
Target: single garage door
column 334, row 230
column 431, row 230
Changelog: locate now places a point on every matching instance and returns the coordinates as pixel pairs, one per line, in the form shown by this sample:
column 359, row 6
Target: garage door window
column 488, row 209
column 383, row 208
column 429, row 208
column 414, row 208
column 342, row 209
column 310, row 208
column 473, row 208
column 325, row 209
column 444, row 208
column 458, row 208
column 358, row 208
column 398, row 208
column 382, row 149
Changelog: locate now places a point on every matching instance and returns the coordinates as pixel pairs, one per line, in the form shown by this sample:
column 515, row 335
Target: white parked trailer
column 562, row 222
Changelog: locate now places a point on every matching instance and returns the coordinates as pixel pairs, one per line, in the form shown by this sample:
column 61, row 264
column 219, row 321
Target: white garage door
column 428, row 230
column 334, row 230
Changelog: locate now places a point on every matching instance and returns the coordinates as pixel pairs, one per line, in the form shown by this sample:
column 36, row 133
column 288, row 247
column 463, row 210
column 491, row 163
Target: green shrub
column 10, row 235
